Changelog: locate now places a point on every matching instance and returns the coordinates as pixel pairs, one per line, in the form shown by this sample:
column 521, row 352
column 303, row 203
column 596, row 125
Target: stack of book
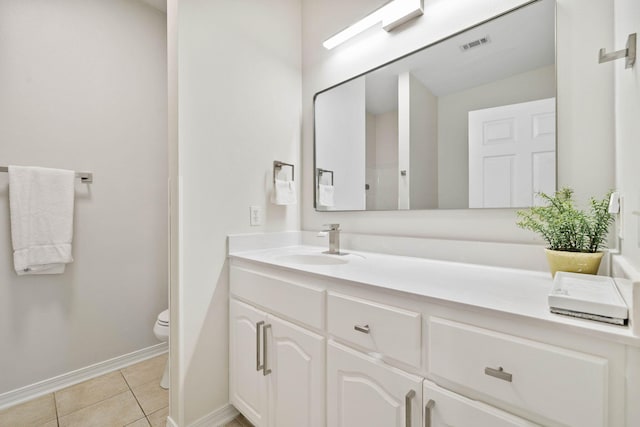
column 588, row 297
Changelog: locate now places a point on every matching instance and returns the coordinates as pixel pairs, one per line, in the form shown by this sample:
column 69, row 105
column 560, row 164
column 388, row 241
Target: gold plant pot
column 573, row 262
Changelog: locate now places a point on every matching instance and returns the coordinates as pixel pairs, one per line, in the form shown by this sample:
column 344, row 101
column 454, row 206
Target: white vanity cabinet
column 277, row 369
column 341, row 353
column 362, row 391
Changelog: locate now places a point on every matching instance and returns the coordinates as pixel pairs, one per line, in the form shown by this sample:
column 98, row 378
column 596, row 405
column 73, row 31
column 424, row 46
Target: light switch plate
column 255, row 215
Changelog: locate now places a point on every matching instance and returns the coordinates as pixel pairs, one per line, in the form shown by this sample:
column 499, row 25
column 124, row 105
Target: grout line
column 134, row 395
column 58, row 416
column 55, row 406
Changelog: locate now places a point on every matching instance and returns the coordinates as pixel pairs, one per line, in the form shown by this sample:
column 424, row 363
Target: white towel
column 325, row 195
column 284, row 193
column 41, row 205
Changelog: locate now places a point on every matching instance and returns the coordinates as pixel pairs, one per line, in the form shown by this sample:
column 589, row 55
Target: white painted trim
column 217, row 418
column 171, row 423
column 38, row 389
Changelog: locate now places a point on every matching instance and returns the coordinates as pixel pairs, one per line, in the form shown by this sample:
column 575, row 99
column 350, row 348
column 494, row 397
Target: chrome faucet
column 334, row 239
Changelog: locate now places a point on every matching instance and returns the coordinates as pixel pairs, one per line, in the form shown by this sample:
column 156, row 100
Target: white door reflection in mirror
column 512, row 154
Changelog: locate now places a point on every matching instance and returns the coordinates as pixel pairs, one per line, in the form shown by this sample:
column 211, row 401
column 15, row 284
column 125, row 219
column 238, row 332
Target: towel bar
column 322, row 172
column 85, row 177
column 278, row 165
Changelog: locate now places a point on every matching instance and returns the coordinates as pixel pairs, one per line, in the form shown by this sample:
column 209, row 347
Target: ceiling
column 520, row 41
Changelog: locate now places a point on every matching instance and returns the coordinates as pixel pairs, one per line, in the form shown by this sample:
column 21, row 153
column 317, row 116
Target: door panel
column 247, row 384
column 512, row 154
column 362, row 391
column 296, row 358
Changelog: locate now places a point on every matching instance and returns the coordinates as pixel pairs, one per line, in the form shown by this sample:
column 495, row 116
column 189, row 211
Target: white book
column 588, row 296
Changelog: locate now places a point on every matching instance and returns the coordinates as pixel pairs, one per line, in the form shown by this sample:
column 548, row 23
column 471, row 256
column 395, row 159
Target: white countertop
column 517, row 292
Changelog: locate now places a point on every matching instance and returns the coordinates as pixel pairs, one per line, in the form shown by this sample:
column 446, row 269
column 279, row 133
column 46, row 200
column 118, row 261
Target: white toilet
column 161, row 330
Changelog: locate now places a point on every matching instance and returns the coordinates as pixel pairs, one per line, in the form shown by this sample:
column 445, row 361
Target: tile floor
column 240, row 421
column 129, row 397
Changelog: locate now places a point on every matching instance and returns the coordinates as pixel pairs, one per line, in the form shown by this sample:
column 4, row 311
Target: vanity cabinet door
column 443, row 408
column 247, row 384
column 295, row 362
column 362, row 391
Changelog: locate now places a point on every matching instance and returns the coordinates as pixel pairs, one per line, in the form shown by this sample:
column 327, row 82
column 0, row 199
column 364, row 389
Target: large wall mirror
column 467, row 122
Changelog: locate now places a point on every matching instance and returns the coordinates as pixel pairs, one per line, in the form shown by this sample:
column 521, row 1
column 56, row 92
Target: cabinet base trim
column 217, row 418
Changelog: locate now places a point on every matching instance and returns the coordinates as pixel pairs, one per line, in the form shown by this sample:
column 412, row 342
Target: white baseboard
column 217, row 418
column 171, row 423
column 32, row 391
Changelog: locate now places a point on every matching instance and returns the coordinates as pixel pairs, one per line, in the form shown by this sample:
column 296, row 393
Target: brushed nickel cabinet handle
column 258, row 365
column 364, row 329
column 265, row 371
column 498, row 373
column 427, row 412
column 407, row 407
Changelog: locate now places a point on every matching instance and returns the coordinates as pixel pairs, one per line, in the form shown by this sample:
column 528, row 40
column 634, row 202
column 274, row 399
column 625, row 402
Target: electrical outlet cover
column 255, row 215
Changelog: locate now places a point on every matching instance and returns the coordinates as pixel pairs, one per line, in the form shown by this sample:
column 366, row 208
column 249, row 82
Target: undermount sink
column 313, row 259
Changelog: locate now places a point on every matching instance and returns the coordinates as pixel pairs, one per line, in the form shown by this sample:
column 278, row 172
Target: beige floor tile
column 233, row 423
column 87, row 393
column 32, row 413
column 243, row 421
column 142, row 422
column 159, row 418
column 143, row 372
column 116, row 411
column 151, row 396
column 52, row 423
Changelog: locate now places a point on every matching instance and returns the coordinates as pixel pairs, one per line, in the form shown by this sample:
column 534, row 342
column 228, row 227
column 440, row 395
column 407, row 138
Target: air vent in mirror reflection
column 475, row 43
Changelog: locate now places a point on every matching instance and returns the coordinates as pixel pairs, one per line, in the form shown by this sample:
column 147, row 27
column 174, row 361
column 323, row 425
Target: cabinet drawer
column 302, row 303
column 444, row 408
column 391, row 331
column 555, row 383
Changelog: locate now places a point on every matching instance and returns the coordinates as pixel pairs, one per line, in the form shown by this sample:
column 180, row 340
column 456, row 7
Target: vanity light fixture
column 391, row 15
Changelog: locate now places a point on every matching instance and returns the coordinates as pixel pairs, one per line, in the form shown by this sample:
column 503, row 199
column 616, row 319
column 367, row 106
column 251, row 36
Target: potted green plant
column 573, row 236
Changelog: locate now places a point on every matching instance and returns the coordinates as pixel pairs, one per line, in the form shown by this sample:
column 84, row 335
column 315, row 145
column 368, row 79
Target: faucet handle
column 332, row 227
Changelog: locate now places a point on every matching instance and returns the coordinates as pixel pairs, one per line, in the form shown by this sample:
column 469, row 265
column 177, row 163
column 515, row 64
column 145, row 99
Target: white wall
column 423, row 143
column 627, row 104
column 383, row 173
column 370, row 159
column 453, row 125
column 176, row 357
column 585, row 109
column 83, row 87
column 404, row 139
column 239, row 109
